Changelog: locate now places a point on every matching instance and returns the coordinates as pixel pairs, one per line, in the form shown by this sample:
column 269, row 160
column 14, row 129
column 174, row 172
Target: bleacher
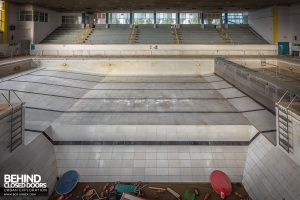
column 244, row 34
column 195, row 34
column 65, row 35
column 162, row 34
column 115, row 34
column 147, row 34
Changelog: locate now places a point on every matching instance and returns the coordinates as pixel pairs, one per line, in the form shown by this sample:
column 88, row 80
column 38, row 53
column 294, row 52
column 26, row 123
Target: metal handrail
column 17, row 96
column 5, row 98
column 9, row 96
column 282, row 97
column 291, row 102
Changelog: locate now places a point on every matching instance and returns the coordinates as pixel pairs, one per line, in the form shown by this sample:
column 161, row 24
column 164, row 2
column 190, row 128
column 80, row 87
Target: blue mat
column 67, row 182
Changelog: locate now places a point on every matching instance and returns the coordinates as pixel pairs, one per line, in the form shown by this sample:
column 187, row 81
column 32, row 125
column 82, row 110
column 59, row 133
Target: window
column 166, row 18
column 35, row 16
column 236, row 18
column 101, row 18
column 212, row 18
column 119, row 18
column 71, row 19
column 189, row 18
column 26, row 16
column 143, row 18
column 46, row 17
column 42, row 17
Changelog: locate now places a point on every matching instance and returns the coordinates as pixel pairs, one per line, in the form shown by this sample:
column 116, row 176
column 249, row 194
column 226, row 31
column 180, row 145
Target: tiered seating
column 147, row 34
column 64, row 35
column 116, row 34
column 243, row 34
column 195, row 34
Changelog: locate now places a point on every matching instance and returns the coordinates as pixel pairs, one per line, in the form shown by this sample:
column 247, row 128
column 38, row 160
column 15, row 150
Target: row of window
column 71, row 19
column 236, row 18
column 170, row 18
column 35, row 16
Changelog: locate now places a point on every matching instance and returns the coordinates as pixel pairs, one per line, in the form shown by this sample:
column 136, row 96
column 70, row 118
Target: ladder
column 16, row 119
column 284, row 122
column 16, row 127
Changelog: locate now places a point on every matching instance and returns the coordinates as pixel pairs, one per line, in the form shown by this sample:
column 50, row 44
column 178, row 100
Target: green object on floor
column 189, row 195
column 126, row 188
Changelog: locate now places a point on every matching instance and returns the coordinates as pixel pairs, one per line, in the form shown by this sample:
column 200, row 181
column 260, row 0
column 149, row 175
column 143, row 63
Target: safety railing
column 133, row 34
column 225, row 36
column 84, row 35
column 176, row 35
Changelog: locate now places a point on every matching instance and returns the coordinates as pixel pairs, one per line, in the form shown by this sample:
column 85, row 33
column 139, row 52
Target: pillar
column 131, row 19
column 275, row 24
column 178, row 20
column 202, row 19
column 4, row 22
column 226, row 20
column 107, row 20
column 154, row 19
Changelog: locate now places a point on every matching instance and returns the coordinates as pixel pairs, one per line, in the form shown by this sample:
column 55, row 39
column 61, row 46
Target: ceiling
column 118, row 5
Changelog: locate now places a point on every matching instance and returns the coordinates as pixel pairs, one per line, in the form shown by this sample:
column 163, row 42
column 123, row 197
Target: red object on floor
column 221, row 183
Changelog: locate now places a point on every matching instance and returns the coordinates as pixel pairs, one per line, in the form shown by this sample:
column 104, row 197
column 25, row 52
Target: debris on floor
column 152, row 191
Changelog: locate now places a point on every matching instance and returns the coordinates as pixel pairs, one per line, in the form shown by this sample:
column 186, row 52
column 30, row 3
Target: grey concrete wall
column 36, row 158
column 269, row 173
column 149, row 50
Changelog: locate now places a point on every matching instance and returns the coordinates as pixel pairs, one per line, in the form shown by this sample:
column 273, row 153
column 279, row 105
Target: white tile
column 140, row 156
column 150, row 156
column 150, row 171
column 174, row 171
column 150, row 163
column 162, row 171
column 161, row 156
column 185, row 163
column 162, row 163
column 139, row 163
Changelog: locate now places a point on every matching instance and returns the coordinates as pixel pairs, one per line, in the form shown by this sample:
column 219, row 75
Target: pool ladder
column 16, row 119
column 284, row 124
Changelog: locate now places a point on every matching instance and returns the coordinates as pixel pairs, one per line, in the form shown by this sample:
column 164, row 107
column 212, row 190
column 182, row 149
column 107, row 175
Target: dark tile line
column 107, row 98
column 42, row 132
column 72, row 72
column 92, row 89
column 151, row 143
column 145, row 112
column 99, row 82
column 137, row 82
column 260, row 132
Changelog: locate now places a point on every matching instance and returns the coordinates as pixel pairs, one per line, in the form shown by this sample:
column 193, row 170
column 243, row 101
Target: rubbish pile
column 221, row 188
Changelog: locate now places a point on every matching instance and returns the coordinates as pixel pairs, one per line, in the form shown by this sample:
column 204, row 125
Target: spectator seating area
column 162, row 34
column 115, row 34
column 191, row 34
column 244, row 34
column 64, row 35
